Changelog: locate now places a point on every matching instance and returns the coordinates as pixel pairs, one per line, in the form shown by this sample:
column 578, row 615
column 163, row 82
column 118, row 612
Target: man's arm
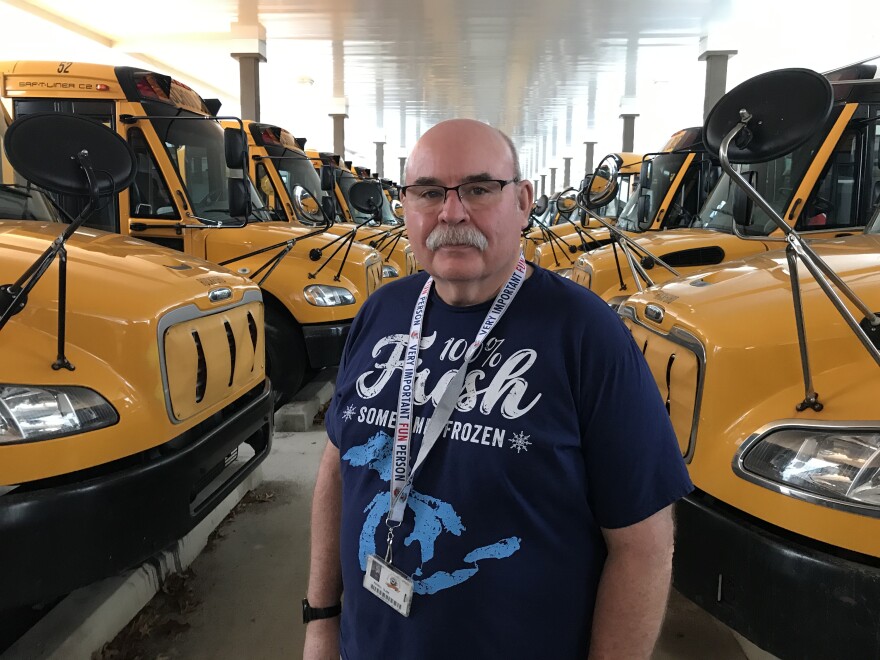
column 325, row 572
column 633, row 589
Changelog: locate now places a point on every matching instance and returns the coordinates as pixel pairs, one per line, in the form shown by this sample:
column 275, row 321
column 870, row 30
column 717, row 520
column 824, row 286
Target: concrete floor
column 241, row 597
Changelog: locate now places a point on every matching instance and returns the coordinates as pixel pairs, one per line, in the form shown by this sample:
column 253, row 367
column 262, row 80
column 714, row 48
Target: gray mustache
column 461, row 234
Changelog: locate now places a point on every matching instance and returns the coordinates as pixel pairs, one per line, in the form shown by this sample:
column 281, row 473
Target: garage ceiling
column 552, row 73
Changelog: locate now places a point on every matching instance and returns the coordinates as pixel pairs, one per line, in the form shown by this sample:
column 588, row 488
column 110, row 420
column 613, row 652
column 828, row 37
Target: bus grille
column 677, row 366
column 374, row 274
column 211, row 357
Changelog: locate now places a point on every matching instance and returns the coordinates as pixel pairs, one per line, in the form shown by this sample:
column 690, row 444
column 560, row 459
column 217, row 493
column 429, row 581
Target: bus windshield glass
column 664, row 169
column 775, row 180
column 297, row 170
column 24, row 202
column 196, row 150
column 346, row 181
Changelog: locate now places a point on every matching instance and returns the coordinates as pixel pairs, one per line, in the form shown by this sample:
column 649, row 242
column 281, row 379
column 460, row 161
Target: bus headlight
column 842, row 465
column 323, row 295
column 564, row 272
column 389, row 271
column 30, row 413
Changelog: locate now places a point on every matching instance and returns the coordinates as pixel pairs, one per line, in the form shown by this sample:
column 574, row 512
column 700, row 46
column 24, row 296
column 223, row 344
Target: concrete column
column 588, row 165
column 566, row 172
column 402, row 170
column 339, row 134
column 628, row 112
column 716, row 73
column 543, row 184
column 629, row 131
column 339, row 113
column 380, row 159
column 248, row 47
column 552, row 180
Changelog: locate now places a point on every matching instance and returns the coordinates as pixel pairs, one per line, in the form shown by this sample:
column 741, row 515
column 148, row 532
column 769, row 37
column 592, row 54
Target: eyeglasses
column 474, row 195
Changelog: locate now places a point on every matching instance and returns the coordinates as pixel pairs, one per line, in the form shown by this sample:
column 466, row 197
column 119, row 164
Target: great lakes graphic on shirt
column 432, row 517
column 493, row 384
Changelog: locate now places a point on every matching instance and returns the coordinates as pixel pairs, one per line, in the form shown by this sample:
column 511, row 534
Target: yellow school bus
column 808, row 187
column 563, row 231
column 672, row 188
column 771, row 373
column 133, row 395
column 291, row 187
column 387, row 233
column 190, row 194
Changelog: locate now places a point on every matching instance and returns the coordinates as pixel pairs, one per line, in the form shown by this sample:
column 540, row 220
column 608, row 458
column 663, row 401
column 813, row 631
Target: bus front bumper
column 792, row 596
column 324, row 343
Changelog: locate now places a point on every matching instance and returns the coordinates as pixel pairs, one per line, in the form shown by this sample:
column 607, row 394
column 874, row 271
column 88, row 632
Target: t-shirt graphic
column 433, row 517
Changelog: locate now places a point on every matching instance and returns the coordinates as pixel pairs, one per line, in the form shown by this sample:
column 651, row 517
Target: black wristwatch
column 313, row 613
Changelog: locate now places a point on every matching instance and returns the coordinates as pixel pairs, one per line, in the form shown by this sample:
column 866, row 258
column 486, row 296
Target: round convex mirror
column 366, row 196
column 603, row 184
column 787, row 107
column 307, row 207
column 45, row 147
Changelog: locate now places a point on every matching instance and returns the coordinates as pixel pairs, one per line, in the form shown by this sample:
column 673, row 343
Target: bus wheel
column 286, row 359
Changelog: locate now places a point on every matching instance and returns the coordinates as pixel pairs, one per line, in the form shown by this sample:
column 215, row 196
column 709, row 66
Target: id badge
column 392, row 587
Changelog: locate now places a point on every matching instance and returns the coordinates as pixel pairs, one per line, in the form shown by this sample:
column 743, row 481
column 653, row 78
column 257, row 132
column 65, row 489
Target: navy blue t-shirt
column 560, row 430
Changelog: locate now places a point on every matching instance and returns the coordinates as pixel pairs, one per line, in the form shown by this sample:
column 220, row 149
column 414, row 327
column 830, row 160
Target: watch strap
column 314, row 613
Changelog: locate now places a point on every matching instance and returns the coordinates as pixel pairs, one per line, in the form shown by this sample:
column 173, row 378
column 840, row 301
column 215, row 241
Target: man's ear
column 525, row 197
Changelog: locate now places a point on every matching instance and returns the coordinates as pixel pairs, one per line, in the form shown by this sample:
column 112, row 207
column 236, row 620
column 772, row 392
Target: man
column 538, row 523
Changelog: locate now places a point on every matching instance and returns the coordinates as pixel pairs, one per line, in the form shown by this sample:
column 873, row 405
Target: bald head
column 463, row 135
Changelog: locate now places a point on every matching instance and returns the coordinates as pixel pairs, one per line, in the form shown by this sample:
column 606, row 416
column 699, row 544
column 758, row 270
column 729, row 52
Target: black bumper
column 324, row 343
column 60, row 534
column 787, row 594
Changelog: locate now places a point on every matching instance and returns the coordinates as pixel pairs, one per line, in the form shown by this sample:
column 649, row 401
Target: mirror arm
column 637, row 271
column 811, row 397
column 268, row 248
column 272, row 264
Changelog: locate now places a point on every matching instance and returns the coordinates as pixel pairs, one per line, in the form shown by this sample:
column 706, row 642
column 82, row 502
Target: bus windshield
column 297, row 170
column 775, row 180
column 196, row 149
column 346, row 181
column 664, row 168
column 24, row 202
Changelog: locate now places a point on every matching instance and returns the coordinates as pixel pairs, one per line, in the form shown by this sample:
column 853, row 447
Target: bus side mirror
column 604, row 182
column 643, row 209
column 645, row 174
column 239, row 198
column 367, row 197
column 235, row 146
column 328, row 205
column 540, row 206
column 328, row 181
column 742, row 203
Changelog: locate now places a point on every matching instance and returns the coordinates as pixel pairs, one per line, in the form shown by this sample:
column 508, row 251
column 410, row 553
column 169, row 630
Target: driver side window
column 269, row 196
column 834, row 204
column 149, row 197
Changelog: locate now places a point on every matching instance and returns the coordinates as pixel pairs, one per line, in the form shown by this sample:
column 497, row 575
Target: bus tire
column 286, row 358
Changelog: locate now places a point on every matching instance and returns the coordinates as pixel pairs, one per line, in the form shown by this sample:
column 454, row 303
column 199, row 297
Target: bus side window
column 149, row 196
column 834, row 203
column 267, row 192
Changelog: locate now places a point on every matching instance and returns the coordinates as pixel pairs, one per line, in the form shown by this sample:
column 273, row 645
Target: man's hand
column 633, row 589
column 322, row 640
